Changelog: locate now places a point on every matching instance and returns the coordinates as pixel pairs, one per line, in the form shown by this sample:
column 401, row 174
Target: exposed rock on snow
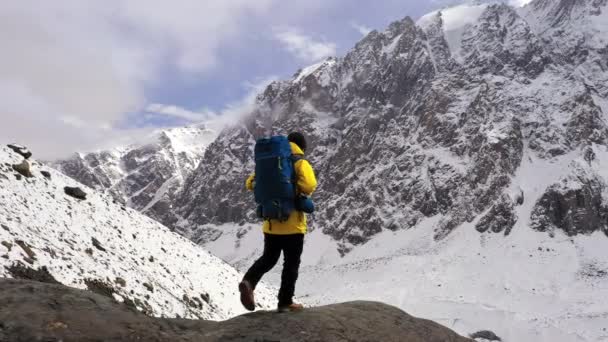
column 485, row 335
column 21, row 150
column 76, row 315
column 501, row 217
column 75, row 192
column 577, row 204
column 24, row 168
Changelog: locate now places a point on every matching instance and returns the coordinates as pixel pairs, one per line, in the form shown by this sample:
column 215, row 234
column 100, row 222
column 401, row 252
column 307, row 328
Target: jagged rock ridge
column 417, row 121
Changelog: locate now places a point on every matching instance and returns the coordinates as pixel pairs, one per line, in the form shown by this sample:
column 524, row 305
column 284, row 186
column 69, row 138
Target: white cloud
column 232, row 112
column 177, row 112
column 519, row 3
column 72, row 69
column 304, row 47
column 364, row 30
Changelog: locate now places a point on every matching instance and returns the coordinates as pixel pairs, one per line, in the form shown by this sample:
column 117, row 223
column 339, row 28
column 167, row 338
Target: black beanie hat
column 298, row 139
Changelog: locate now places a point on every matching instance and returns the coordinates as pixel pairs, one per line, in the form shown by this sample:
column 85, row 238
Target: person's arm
column 250, row 182
column 306, row 182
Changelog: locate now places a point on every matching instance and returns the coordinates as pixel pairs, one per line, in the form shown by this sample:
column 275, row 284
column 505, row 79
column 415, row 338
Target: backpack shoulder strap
column 296, row 157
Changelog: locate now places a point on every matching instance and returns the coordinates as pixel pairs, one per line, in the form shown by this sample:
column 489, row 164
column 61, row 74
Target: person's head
column 298, row 139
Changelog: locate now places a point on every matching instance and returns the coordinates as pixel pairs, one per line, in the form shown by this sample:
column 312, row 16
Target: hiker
column 287, row 234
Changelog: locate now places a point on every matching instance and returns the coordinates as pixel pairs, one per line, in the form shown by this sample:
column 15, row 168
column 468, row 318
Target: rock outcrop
column 34, row 311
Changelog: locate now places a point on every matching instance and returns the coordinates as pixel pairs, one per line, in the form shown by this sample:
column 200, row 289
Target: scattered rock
column 18, row 177
column 21, row 271
column 7, row 244
column 21, row 150
column 486, row 335
column 75, row 192
column 50, row 251
column 97, row 244
column 206, row 298
column 149, row 287
column 89, row 251
column 27, row 249
column 120, row 281
column 5, row 227
column 24, row 169
column 46, row 174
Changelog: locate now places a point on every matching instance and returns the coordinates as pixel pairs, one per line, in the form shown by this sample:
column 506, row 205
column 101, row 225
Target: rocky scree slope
column 437, row 118
column 86, row 241
column 76, row 315
column 145, row 177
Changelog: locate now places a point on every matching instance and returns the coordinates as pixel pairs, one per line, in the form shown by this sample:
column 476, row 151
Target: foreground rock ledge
column 33, row 311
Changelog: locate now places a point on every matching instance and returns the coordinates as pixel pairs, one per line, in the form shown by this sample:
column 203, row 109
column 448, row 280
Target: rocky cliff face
column 435, row 118
column 144, row 177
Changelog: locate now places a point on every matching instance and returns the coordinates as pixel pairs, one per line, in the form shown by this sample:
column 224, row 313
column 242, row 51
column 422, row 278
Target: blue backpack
column 275, row 188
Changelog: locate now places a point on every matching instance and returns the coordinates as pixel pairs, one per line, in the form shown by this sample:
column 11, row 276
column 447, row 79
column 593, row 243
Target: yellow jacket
column 306, row 183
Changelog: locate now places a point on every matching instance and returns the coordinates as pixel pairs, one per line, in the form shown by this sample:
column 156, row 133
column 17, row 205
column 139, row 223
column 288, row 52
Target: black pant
column 292, row 246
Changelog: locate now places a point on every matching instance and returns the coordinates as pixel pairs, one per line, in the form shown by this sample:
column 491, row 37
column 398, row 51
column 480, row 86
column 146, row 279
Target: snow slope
column 162, row 272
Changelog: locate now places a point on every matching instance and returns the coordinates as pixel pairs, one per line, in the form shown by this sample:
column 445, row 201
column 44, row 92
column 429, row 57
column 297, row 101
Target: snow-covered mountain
column 462, row 168
column 96, row 244
column 145, row 177
column 446, row 118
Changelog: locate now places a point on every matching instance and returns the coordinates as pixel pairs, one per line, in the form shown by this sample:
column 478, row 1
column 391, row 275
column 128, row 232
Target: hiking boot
column 293, row 307
column 247, row 299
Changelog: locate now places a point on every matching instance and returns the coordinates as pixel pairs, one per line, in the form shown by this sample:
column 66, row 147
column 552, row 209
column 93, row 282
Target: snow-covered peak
column 190, row 139
column 94, row 241
column 454, row 21
column 311, row 69
column 144, row 176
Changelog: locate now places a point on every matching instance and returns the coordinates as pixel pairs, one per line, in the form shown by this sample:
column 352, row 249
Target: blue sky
column 258, row 55
column 82, row 75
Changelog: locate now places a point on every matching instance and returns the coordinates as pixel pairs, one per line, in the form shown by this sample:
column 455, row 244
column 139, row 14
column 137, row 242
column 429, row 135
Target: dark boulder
column 485, row 335
column 75, row 192
column 46, row 174
column 24, row 169
column 21, row 150
column 97, row 244
column 32, row 311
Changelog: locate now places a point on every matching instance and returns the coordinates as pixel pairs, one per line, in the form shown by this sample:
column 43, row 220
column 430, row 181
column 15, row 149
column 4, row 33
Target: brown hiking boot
column 293, row 307
column 247, row 299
